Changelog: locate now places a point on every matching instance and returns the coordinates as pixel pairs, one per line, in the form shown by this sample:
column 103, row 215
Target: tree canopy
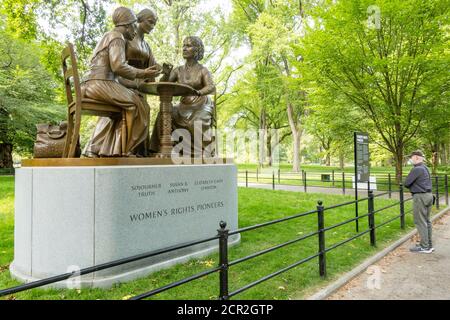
column 315, row 70
column 27, row 94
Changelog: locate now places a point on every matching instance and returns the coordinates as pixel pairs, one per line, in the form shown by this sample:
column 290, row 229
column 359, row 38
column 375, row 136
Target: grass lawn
column 255, row 206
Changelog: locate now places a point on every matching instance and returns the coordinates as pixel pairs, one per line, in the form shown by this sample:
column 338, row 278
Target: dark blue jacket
column 419, row 179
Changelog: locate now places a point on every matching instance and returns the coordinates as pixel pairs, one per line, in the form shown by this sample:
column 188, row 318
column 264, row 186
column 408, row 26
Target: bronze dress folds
column 140, row 55
column 191, row 109
column 109, row 62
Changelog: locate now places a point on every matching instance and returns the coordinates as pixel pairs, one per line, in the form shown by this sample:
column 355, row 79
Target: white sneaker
column 421, row 250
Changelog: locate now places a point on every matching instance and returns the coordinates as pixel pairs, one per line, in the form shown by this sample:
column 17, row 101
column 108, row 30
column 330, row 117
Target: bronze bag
column 50, row 140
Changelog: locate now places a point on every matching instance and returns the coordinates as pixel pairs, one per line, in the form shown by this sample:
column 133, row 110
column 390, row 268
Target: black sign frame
column 362, row 165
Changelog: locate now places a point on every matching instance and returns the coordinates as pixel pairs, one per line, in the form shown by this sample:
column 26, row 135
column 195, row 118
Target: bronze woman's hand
column 152, row 71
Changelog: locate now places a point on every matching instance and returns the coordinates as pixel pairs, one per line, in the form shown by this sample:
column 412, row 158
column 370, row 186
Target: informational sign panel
column 361, row 141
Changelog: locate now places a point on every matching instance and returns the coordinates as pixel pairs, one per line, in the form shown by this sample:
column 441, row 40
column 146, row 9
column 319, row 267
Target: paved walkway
column 302, row 189
column 405, row 275
column 401, row 274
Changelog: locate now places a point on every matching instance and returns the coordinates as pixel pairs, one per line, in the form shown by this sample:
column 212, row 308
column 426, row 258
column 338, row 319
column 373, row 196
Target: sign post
column 362, row 174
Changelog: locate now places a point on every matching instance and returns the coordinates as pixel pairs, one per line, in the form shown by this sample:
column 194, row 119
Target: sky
column 61, row 33
column 206, row 5
column 225, row 5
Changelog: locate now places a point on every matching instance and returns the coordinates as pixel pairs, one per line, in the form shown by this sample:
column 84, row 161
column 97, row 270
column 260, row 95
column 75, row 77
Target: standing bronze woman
column 121, row 83
column 193, row 112
column 140, row 55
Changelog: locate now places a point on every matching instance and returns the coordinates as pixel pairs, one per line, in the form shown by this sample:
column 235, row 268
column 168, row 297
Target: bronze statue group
column 121, row 63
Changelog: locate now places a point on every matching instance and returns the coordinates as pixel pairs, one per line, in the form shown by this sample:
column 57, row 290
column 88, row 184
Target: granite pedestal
column 77, row 217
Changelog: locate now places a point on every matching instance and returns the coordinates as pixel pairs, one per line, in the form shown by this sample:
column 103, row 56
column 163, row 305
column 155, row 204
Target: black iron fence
column 337, row 180
column 223, row 235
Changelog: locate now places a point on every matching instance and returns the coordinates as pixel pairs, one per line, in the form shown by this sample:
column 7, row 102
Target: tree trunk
column 341, row 160
column 328, row 159
column 435, row 159
column 296, row 136
column 399, row 164
column 443, row 157
column 446, row 147
column 177, row 41
column 262, row 137
column 6, row 160
column 269, row 147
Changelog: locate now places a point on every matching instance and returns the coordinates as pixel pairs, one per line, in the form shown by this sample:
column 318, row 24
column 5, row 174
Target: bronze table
column 166, row 91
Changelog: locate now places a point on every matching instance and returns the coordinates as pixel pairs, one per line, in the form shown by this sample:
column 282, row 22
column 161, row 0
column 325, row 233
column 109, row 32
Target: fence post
column 320, row 227
column 304, row 180
column 371, row 207
column 223, row 260
column 273, row 180
column 246, row 178
column 332, row 174
column 446, row 189
column 390, row 185
column 437, row 192
column 343, row 182
column 402, row 207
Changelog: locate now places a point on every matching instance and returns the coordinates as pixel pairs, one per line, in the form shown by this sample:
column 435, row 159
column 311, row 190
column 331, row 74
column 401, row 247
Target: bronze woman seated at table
column 192, row 111
column 104, row 82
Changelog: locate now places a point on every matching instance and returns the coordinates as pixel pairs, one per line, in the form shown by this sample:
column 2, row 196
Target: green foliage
column 271, row 28
column 21, row 18
column 80, row 22
column 315, row 67
column 27, row 93
column 383, row 71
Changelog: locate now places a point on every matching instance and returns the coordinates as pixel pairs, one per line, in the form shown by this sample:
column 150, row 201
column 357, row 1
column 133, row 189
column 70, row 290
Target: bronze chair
column 77, row 105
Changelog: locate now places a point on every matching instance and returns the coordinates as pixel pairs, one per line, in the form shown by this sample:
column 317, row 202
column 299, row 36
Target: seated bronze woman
column 104, row 141
column 193, row 113
column 108, row 65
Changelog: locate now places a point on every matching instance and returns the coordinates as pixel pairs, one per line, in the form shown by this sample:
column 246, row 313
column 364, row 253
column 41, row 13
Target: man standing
column 419, row 183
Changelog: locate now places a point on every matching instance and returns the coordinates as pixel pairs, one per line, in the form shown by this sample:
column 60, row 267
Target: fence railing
column 223, row 235
column 7, row 171
column 334, row 180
